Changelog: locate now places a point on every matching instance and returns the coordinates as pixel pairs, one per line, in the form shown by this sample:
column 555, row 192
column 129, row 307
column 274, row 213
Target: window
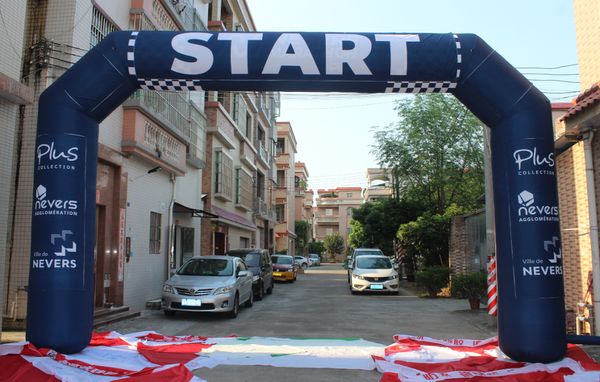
column 243, row 183
column 244, row 242
column 280, row 146
column 155, row 232
column 280, row 178
column 328, row 212
column 349, row 195
column 260, row 185
column 296, row 182
column 248, row 131
column 101, row 27
column 328, row 231
column 280, row 213
column 223, row 174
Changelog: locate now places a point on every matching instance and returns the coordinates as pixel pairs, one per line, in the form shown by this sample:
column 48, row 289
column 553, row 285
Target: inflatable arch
column 531, row 323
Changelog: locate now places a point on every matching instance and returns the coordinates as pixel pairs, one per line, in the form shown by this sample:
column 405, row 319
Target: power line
column 547, row 67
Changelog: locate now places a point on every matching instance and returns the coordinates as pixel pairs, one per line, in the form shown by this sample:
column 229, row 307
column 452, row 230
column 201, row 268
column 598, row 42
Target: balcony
column 248, row 155
column 335, row 219
column 263, row 155
column 299, row 192
column 175, row 114
column 263, row 210
column 283, row 160
column 146, row 139
column 220, row 124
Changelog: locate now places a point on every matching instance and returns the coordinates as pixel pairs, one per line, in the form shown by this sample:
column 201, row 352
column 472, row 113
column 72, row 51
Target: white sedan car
column 209, row 284
column 373, row 274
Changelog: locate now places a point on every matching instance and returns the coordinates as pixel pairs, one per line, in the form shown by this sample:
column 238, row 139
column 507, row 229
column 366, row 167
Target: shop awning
column 197, row 213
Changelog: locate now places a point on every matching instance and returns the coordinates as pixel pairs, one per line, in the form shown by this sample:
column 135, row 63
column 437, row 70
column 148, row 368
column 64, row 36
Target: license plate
column 277, row 274
column 377, row 286
column 190, row 302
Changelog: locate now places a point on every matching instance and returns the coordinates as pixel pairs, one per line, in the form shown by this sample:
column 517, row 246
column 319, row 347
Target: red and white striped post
column 492, row 290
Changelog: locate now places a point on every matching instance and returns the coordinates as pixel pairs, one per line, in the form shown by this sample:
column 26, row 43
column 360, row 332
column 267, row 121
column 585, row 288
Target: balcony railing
column 262, row 209
column 177, row 115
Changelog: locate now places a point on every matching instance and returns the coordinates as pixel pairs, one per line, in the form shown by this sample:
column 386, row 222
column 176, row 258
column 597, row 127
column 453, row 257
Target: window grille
column 155, row 232
column 243, row 188
column 223, row 175
column 101, row 27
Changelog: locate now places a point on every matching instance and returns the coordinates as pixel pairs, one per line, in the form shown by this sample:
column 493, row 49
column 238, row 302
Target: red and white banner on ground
column 150, row 356
column 418, row 359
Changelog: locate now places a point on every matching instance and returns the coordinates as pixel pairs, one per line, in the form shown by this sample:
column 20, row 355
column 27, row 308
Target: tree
column 301, row 228
column 425, row 240
column 435, row 152
column 374, row 224
column 316, row 247
column 334, row 244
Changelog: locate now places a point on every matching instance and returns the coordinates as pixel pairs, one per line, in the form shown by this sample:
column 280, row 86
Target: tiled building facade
column 333, row 211
column 286, row 148
column 577, row 164
column 239, row 175
column 173, row 170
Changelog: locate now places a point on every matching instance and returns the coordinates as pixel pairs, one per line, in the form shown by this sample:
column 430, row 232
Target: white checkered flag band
column 420, row 87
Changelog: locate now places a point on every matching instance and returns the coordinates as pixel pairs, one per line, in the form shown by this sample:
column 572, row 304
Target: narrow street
column 317, row 305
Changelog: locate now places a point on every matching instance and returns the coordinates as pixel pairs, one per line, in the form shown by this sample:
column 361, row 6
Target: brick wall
column 458, row 246
column 574, row 223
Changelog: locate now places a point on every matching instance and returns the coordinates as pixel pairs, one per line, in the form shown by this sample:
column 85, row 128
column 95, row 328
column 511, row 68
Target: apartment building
column 285, row 236
column 577, row 164
column 14, row 96
column 239, row 175
column 333, row 211
column 303, row 204
column 379, row 184
column 151, row 152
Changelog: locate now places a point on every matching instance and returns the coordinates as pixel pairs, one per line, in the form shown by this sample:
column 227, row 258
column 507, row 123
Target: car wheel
column 261, row 291
column 236, row 307
column 270, row 289
column 169, row 313
column 250, row 301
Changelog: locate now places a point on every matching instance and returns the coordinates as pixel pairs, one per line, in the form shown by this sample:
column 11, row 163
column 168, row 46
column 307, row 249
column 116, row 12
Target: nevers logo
column 531, row 212
column 47, row 206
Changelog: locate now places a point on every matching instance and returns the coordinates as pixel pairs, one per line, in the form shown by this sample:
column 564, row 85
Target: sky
column 335, row 131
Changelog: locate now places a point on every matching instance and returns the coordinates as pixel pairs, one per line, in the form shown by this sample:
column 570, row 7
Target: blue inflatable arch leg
column 530, row 286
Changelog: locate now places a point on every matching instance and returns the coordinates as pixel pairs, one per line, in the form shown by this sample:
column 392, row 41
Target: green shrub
column 471, row 285
column 434, row 279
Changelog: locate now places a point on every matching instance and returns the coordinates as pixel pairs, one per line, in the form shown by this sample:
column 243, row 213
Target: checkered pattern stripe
column 458, row 55
column 420, row 87
column 131, row 53
column 169, row 85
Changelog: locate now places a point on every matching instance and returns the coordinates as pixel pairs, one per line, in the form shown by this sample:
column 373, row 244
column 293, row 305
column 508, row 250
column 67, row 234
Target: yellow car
column 284, row 268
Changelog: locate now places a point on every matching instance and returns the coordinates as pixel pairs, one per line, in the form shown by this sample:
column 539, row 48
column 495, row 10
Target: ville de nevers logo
column 530, row 211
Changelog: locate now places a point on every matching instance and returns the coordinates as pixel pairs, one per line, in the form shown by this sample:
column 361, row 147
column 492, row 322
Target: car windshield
column 281, row 260
column 207, row 267
column 314, row 256
column 373, row 263
column 252, row 259
column 368, row 252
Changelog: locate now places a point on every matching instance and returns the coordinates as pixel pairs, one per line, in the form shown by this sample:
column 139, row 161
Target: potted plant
column 434, row 279
column 472, row 286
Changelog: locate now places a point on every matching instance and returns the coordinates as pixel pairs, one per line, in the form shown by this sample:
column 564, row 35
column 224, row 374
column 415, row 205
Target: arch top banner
column 356, row 62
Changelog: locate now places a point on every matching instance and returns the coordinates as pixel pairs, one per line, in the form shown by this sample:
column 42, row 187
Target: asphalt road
column 319, row 304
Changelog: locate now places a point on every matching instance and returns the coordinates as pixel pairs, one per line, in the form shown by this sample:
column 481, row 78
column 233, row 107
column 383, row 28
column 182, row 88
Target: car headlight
column 223, row 290
column 394, row 276
column 358, row 277
column 168, row 288
column 290, row 269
